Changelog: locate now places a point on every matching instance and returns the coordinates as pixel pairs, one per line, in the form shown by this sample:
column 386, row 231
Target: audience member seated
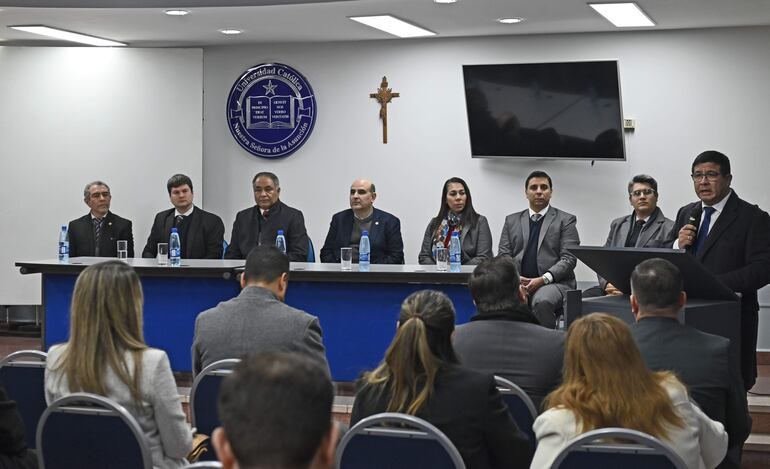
column 607, row 384
column 257, row 319
column 702, row 361
column 457, row 215
column 276, row 412
column 504, row 338
column 106, row 355
column 13, row 450
column 420, row 376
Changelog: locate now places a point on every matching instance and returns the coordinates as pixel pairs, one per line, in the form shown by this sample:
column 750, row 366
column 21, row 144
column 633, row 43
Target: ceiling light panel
column 393, row 25
column 67, row 35
column 623, row 15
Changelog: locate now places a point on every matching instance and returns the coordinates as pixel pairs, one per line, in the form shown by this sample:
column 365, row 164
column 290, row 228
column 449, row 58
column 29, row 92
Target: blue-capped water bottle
column 174, row 249
column 280, row 241
column 363, row 252
column 64, row 246
column 455, row 253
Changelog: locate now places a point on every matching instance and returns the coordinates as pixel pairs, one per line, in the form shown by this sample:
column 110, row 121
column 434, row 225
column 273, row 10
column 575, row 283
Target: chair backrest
column 23, row 376
column 396, row 441
column 601, row 448
column 204, row 465
column 83, row 430
column 310, row 250
column 521, row 408
column 203, row 398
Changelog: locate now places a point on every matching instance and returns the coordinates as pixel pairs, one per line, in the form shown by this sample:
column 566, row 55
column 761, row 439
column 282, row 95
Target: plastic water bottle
column 280, row 241
column 64, row 246
column 455, row 253
column 363, row 252
column 174, row 249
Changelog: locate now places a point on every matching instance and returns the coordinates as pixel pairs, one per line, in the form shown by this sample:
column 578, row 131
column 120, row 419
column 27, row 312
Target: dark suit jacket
column 525, row 353
column 469, row 410
column 13, row 449
column 250, row 230
column 387, row 247
column 556, row 234
column 654, row 233
column 737, row 250
column 702, row 362
column 205, row 234
column 476, row 243
column 114, row 228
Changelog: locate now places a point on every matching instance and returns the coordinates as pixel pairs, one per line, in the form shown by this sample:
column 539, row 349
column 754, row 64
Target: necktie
column 178, row 220
column 631, row 242
column 703, row 231
column 536, row 217
column 97, row 235
column 266, row 214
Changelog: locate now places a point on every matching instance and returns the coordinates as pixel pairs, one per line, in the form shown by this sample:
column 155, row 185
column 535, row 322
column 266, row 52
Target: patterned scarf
column 452, row 223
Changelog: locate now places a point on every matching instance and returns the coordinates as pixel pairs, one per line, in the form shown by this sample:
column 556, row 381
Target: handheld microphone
column 694, row 220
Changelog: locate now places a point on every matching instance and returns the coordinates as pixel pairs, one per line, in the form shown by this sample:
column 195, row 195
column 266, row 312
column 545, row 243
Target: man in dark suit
column 731, row 240
column 646, row 227
column 259, row 224
column 537, row 240
column 345, row 229
column 257, row 320
column 97, row 233
column 201, row 232
column 702, row 361
column 504, row 338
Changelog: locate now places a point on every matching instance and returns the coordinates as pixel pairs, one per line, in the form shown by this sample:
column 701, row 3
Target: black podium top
column 617, row 264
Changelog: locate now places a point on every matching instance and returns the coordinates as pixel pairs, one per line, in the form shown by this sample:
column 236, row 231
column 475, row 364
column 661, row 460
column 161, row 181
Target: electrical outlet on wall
column 629, row 123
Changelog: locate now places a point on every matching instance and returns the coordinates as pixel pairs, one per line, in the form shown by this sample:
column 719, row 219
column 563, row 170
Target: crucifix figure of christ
column 383, row 96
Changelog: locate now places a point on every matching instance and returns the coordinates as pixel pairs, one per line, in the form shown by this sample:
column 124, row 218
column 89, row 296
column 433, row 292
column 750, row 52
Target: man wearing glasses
column 646, row 227
column 97, row 233
column 731, row 238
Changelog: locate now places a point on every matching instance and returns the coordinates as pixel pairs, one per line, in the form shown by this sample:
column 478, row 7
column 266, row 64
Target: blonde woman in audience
column 420, row 376
column 106, row 355
column 607, row 384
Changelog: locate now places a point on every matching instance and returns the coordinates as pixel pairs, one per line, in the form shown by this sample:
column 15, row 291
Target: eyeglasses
column 639, row 192
column 708, row 175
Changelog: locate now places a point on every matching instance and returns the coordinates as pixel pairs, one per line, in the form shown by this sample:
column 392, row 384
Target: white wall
column 131, row 117
column 688, row 90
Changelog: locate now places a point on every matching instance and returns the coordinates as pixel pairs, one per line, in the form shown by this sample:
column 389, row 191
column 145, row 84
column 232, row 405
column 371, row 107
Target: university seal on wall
column 271, row 110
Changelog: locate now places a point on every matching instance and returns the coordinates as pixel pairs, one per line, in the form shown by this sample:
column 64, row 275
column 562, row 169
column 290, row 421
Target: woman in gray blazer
column 457, row 214
column 106, row 355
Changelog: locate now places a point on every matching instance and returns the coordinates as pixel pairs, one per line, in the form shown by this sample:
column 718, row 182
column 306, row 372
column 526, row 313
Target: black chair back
column 203, row 400
column 521, row 408
column 23, row 376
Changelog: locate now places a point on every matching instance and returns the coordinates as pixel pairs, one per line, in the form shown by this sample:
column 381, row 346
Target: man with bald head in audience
column 346, row 228
column 702, row 361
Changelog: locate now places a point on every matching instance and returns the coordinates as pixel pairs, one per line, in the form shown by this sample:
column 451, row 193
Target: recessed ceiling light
column 393, row 25
column 623, row 15
column 230, row 32
column 67, row 35
column 177, row 12
column 511, row 20
column 445, row 1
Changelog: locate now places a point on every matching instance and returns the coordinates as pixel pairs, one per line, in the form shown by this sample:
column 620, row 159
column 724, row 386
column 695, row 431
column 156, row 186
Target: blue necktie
column 703, row 232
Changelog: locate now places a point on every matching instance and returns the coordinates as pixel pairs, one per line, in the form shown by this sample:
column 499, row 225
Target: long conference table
column 357, row 310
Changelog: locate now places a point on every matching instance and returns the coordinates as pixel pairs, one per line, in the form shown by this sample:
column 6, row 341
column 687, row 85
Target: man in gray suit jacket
column 257, row 320
column 537, row 240
column 504, row 338
column 646, row 227
column 702, row 361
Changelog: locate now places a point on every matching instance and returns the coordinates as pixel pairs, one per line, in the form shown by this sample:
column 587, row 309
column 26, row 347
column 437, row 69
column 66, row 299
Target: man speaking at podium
column 731, row 238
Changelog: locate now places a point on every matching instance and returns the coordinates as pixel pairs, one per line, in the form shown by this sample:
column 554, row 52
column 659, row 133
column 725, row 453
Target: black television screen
column 545, row 110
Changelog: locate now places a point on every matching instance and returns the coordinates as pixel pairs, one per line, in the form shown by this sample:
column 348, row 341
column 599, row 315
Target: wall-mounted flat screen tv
column 567, row 110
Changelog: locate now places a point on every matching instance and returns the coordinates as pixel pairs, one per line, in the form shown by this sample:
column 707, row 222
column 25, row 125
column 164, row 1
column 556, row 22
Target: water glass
column 442, row 259
column 346, row 258
column 162, row 254
column 123, row 250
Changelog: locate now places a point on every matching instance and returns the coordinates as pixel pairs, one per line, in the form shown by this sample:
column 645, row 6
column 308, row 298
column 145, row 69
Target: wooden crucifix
column 383, row 96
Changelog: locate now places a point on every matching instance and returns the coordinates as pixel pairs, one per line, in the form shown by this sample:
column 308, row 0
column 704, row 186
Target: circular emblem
column 271, row 110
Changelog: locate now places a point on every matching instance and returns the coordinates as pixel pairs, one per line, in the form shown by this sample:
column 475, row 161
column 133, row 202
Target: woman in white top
column 106, row 355
column 607, row 384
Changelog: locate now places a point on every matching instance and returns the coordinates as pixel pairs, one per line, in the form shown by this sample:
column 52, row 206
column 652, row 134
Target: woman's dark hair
column 422, row 346
column 469, row 215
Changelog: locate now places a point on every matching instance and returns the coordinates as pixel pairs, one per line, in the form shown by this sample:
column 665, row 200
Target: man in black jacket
column 200, row 232
column 702, row 361
column 98, row 232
